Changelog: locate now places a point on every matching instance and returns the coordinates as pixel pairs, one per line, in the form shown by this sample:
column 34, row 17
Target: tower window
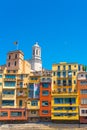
column 15, row 56
column 8, row 64
column 15, row 63
column 9, row 57
column 36, row 52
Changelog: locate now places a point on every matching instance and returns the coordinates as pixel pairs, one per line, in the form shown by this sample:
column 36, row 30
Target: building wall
column 82, row 91
column 26, row 67
column 12, row 59
column 65, row 90
column 7, row 115
column 45, row 98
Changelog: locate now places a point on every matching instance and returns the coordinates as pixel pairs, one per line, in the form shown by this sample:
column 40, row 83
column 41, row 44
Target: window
column 0, row 84
column 10, row 83
column 75, row 66
column 34, row 78
column 10, row 76
column 59, row 90
column 8, row 92
column 54, row 82
column 0, row 76
column 3, row 114
column 8, row 64
column 15, row 63
column 64, row 67
column 15, row 56
column 70, row 90
column 58, row 100
column 59, row 82
column 45, row 112
column 64, row 74
column 64, row 82
column 8, row 103
column 69, row 67
column 45, row 85
column 74, row 81
column 36, row 52
column 44, row 103
column 70, row 82
column 74, row 73
column 70, row 73
column 20, row 103
column 34, row 103
column 79, row 68
column 45, row 92
column 33, row 112
column 58, row 108
column 54, row 73
column 14, row 114
column 9, row 57
column 8, row 71
column 82, row 111
column 64, row 89
column 83, row 91
column 64, row 101
column 58, row 74
column 21, row 84
column 84, row 101
column 83, row 83
column 58, row 67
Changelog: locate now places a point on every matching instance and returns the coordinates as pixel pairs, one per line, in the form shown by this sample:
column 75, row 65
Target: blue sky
column 60, row 27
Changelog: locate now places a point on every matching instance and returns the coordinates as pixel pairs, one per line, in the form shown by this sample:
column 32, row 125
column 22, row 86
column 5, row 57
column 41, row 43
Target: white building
column 36, row 62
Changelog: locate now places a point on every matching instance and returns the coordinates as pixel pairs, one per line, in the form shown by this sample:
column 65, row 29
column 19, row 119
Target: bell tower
column 36, row 51
column 36, row 61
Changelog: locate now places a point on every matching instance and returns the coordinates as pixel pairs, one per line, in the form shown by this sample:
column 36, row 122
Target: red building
column 45, row 96
column 82, row 93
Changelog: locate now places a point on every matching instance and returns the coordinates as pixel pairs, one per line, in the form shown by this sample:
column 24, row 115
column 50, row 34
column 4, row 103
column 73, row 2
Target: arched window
column 36, row 52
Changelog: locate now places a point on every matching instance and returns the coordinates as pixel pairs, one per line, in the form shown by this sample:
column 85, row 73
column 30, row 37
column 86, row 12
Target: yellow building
column 64, row 92
column 33, row 103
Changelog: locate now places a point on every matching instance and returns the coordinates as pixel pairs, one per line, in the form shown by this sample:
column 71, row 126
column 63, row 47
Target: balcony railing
column 9, row 79
column 64, row 84
column 21, row 95
column 62, row 92
column 45, row 80
column 8, row 96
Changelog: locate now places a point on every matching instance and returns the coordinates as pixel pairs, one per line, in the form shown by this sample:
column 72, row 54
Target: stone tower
column 36, row 62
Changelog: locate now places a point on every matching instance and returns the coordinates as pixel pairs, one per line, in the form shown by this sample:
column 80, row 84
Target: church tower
column 36, row 62
column 36, row 51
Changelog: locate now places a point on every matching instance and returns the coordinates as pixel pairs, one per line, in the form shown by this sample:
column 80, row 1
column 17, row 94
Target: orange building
column 13, row 114
column 82, row 91
column 45, row 96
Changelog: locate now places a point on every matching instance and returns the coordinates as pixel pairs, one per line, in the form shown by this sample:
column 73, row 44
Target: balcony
column 34, row 81
column 64, row 77
column 8, row 96
column 45, row 80
column 63, row 85
column 65, row 117
column 21, row 94
column 9, row 79
column 21, row 86
column 65, row 109
column 61, row 93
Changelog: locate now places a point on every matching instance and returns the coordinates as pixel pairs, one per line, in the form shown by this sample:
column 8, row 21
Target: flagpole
column 17, row 46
